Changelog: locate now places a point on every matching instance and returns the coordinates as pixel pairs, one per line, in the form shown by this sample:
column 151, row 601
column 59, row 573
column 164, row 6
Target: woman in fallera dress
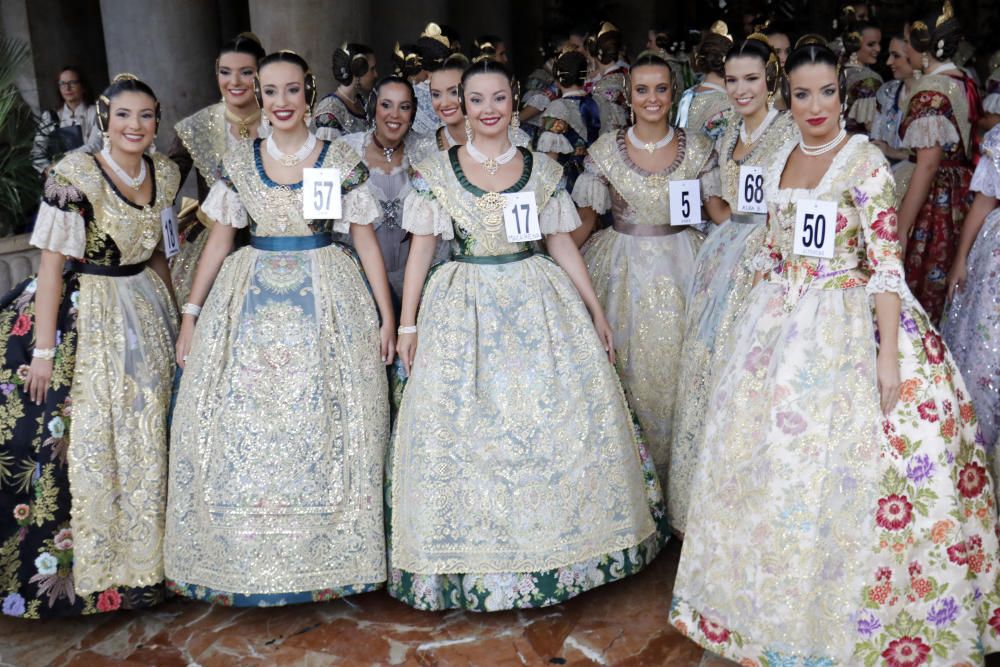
column 516, row 478
column 703, row 107
column 87, row 362
column 443, row 84
column 204, row 138
column 937, row 127
column 433, row 49
column 642, row 265
column 279, row 433
column 755, row 131
column 608, row 85
column 845, row 514
column 345, row 111
column 890, row 104
column 862, row 45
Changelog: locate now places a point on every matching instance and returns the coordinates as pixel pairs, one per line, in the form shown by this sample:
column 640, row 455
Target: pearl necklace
column 650, row 147
column 754, row 137
column 295, row 158
column 135, row 182
column 387, row 151
column 491, row 165
column 813, row 151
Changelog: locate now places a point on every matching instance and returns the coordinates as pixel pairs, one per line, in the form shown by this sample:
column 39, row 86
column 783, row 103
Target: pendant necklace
column 243, row 125
column 491, row 165
column 387, row 151
column 294, row 158
column 135, row 182
column 650, row 147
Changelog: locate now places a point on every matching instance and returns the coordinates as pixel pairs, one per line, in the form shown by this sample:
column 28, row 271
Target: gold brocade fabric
column 641, row 281
column 117, row 461
column 204, row 136
column 281, row 420
column 707, row 111
column 720, row 285
column 514, row 450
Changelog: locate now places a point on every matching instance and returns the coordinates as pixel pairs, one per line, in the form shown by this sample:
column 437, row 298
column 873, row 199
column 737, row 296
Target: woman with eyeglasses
column 70, row 128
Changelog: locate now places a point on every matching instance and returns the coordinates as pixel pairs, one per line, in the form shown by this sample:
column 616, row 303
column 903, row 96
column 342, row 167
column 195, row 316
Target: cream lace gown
column 823, row 532
column 281, row 421
column 517, row 478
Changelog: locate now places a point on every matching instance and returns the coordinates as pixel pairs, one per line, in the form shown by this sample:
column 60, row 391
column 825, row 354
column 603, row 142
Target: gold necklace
column 243, row 124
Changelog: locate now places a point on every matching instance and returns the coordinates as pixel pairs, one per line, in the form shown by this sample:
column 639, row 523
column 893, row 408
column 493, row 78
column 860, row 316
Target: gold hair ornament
column 433, row 31
column 947, row 13
column 720, row 28
column 606, row 27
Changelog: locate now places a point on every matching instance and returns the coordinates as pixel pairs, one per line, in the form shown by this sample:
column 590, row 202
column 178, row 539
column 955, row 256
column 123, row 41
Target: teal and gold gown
column 516, row 476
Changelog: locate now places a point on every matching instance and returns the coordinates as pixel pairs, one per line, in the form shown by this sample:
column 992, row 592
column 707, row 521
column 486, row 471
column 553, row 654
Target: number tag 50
column 520, row 217
column 815, row 228
column 321, row 194
column 751, row 187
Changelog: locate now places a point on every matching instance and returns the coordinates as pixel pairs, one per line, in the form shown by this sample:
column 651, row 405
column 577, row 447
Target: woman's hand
column 407, row 349
column 387, row 336
column 888, row 379
column 957, row 276
column 605, row 334
column 184, row 339
column 39, row 376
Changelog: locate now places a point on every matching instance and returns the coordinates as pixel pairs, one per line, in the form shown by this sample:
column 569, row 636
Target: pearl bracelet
column 191, row 309
column 44, row 353
column 406, row 330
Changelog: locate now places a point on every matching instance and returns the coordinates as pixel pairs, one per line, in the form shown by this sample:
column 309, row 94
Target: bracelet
column 406, row 330
column 44, row 353
column 191, row 309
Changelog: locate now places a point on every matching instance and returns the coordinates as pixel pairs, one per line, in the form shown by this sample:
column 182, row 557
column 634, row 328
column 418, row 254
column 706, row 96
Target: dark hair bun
column 350, row 61
column 570, row 69
column 406, row 60
column 710, row 54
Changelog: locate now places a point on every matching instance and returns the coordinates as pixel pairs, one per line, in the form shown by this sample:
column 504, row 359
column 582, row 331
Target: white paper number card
column 815, row 228
column 751, row 188
column 171, row 242
column 321, row 194
column 520, row 217
column 685, row 202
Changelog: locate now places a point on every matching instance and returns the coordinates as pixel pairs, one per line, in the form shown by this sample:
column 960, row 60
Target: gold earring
column 106, row 137
column 770, row 100
column 468, row 130
column 632, row 113
column 515, row 122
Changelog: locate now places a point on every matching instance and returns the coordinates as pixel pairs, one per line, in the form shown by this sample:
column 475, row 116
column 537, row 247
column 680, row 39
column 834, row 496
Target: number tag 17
column 520, row 217
column 321, row 194
column 751, row 188
column 685, row 202
column 815, row 228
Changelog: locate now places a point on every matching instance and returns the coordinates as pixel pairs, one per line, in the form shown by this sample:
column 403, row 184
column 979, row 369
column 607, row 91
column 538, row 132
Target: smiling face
column 283, row 88
column 235, row 72
column 651, row 93
column 488, row 103
column 897, row 60
column 815, row 103
column 746, row 84
column 132, row 122
column 444, row 96
column 393, row 112
column 871, row 46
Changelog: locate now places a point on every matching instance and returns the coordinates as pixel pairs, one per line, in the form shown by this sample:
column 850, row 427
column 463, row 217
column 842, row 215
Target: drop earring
column 515, row 121
column 265, row 124
column 307, row 118
column 925, row 62
column 468, row 130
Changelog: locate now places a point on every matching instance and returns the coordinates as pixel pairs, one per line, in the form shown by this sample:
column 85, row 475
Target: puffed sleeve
column 865, row 104
column 927, row 123
column 986, row 179
column 60, row 225
column 537, row 99
column 359, row 206
column 709, row 178
column 553, row 138
column 327, row 125
column 559, row 214
column 223, row 205
column 591, row 188
column 423, row 215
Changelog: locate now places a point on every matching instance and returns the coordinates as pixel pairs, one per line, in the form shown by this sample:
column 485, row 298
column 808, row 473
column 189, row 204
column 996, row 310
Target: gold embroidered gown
column 282, row 416
column 83, row 477
column 516, row 475
column 703, row 110
column 721, row 281
column 641, row 268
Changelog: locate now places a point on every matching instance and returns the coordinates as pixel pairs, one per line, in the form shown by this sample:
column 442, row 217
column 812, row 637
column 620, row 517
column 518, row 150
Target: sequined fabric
column 703, row 111
column 282, row 415
column 721, row 281
column 825, row 533
column 862, row 86
column 972, row 323
column 514, row 451
column 333, row 119
column 640, row 281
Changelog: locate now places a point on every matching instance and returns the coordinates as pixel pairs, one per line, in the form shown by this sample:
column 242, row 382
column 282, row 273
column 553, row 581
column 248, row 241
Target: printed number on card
column 815, row 228
column 751, row 188
column 171, row 242
column 685, row 202
column 321, row 194
column 520, row 217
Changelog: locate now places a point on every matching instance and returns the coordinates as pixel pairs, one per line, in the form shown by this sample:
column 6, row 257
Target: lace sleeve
column 423, row 215
column 60, row 225
column 591, row 188
column 223, row 205
column 928, row 123
column 559, row 214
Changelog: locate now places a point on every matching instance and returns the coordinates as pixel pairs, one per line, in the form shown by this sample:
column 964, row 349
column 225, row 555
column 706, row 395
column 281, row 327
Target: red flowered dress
column 825, row 533
column 938, row 115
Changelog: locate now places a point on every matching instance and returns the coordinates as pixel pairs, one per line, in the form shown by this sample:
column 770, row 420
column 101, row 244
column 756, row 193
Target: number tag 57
column 321, row 194
column 815, row 228
column 520, row 217
column 751, row 187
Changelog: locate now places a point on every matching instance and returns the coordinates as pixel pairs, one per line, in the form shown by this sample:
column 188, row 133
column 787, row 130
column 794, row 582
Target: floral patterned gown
column 641, row 268
column 862, row 87
column 718, row 290
column 938, row 114
column 83, row 477
column 517, row 478
column 972, row 323
column 703, row 110
column 279, row 433
column 333, row 119
column 825, row 533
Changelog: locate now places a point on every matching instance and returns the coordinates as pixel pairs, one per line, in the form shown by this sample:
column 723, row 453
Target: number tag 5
column 685, row 202
column 815, row 228
column 171, row 243
column 321, row 194
column 751, row 190
column 520, row 217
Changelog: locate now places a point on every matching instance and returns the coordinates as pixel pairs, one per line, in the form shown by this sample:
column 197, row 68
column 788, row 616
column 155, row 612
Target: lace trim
column 863, row 110
column 423, row 215
column 558, row 215
column 591, row 191
column 891, row 281
column 550, row 142
column 930, row 131
column 60, row 231
column 224, row 206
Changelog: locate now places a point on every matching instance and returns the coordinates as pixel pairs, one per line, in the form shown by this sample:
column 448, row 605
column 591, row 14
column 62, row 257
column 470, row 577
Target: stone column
column 171, row 46
column 311, row 28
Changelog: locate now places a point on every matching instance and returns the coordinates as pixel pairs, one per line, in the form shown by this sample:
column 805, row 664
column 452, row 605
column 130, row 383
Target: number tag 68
column 751, row 187
column 815, row 228
column 321, row 194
